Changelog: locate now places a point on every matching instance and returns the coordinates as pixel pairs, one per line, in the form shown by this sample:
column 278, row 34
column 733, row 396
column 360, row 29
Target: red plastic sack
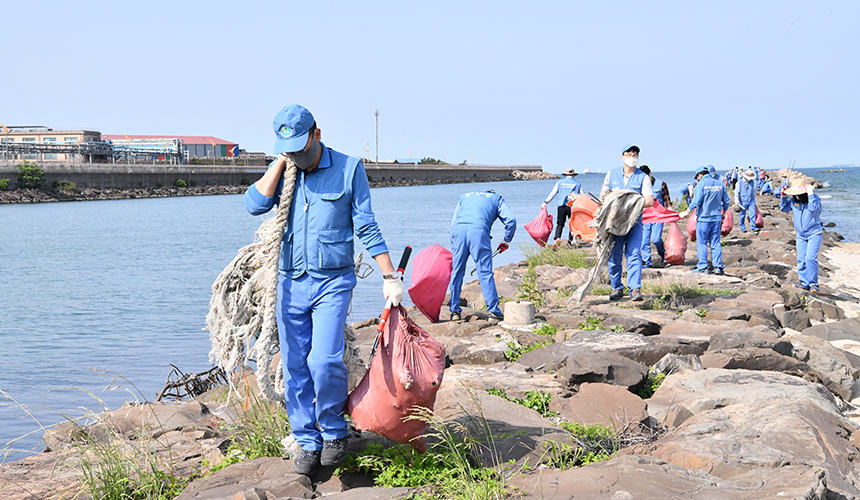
column 676, row 246
column 691, row 225
column 431, row 273
column 658, row 213
column 541, row 227
column 728, row 223
column 759, row 220
column 406, row 372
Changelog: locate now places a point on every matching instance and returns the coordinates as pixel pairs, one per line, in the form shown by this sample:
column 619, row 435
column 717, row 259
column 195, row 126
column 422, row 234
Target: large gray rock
column 832, row 364
column 633, row 324
column 648, row 478
column 764, row 339
column 848, row 329
column 603, row 367
column 601, row 404
column 271, row 475
column 796, row 319
column 552, row 357
column 753, row 358
column 745, row 422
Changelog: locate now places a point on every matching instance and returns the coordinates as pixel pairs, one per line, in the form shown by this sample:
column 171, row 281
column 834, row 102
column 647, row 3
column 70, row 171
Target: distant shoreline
column 26, row 196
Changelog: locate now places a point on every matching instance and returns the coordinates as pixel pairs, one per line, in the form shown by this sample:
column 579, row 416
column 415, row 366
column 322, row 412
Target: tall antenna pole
column 376, row 114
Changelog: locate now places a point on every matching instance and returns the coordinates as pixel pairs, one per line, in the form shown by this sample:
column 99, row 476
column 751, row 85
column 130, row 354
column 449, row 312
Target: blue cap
column 702, row 170
column 291, row 126
column 629, row 147
column 711, row 169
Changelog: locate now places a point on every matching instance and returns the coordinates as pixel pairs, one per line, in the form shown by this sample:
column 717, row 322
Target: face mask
column 631, row 161
column 305, row 158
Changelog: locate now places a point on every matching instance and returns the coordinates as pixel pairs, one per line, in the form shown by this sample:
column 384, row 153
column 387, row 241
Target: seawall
column 128, row 176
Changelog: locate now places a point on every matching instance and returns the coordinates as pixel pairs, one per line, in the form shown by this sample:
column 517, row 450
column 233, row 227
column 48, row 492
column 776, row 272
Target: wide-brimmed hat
column 748, row 175
column 569, row 172
column 797, row 187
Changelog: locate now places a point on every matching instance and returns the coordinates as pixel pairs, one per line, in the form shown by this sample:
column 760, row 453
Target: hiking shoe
column 497, row 317
column 802, row 287
column 334, row 452
column 307, row 463
column 636, row 295
column 455, row 317
column 704, row 271
column 813, row 289
column 719, row 271
column 556, row 244
column 616, row 294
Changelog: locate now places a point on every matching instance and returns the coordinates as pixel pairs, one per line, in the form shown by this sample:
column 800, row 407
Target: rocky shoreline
column 759, row 400
column 93, row 194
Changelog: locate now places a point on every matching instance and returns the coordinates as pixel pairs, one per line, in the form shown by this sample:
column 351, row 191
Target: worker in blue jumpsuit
column 686, row 192
column 566, row 188
column 745, row 197
column 805, row 206
column 628, row 245
column 470, row 235
column 330, row 202
column 653, row 232
column 710, row 201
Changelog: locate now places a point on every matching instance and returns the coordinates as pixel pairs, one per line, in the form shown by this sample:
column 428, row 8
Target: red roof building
column 196, row 146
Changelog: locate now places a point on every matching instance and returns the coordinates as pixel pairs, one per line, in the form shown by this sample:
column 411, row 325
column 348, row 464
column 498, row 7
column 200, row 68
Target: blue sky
column 558, row 84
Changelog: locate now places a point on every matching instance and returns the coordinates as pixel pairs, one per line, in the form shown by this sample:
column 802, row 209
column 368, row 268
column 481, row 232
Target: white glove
column 393, row 290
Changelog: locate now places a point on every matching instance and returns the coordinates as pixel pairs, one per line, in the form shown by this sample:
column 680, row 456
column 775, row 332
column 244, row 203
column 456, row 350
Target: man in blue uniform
column 566, row 188
column 805, row 205
column 745, row 197
column 628, row 245
column 710, row 201
column 653, row 232
column 330, row 201
column 470, row 235
column 686, row 192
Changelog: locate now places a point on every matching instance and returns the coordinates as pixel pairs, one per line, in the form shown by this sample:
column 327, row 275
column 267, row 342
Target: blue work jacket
column 657, row 186
column 329, row 204
column 745, row 192
column 710, row 199
column 566, row 188
column 481, row 209
column 807, row 216
column 634, row 182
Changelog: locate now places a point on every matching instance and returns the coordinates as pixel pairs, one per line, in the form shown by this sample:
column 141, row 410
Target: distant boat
column 586, row 171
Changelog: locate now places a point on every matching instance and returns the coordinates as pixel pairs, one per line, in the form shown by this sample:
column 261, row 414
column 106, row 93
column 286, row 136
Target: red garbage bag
column 406, row 372
column 658, row 213
column 728, row 222
column 759, row 220
column 541, row 227
column 691, row 225
column 431, row 273
column 676, row 246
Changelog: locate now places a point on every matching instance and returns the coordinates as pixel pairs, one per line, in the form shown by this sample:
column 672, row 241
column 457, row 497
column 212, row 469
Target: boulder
column 261, row 476
column 848, row 329
column 633, row 324
column 672, row 363
column 796, row 319
column 832, row 364
column 604, row 367
column 601, row 404
column 753, row 358
column 764, row 339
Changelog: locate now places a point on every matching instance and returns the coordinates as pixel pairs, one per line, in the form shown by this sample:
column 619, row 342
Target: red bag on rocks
column 405, row 372
column 676, row 246
column 759, row 220
column 431, row 273
column 541, row 227
column 728, row 222
column 691, row 225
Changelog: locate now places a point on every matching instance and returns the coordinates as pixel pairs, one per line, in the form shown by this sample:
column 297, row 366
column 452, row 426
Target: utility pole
column 376, row 114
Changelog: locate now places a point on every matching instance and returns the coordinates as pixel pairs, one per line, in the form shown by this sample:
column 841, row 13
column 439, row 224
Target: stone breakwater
column 91, row 194
column 758, row 400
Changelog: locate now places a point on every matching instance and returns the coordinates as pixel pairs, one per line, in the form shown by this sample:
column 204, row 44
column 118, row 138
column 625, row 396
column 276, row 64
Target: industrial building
column 195, row 146
column 35, row 136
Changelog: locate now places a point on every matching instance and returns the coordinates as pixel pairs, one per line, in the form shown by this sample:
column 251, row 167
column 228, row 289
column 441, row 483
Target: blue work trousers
column 629, row 246
column 474, row 241
column 311, row 318
column 708, row 236
column 652, row 233
column 748, row 208
column 807, row 259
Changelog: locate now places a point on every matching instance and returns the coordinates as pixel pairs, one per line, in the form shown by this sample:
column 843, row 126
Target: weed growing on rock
column 528, row 291
column 516, row 350
column 592, row 324
column 651, row 385
column 546, row 330
column 570, row 257
column 600, row 290
column 702, row 312
column 536, row 400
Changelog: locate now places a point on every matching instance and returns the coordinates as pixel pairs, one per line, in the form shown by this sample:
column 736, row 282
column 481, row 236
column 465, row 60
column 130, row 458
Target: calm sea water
column 124, row 286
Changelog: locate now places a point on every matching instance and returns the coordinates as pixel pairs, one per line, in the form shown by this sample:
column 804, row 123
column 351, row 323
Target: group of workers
column 330, row 202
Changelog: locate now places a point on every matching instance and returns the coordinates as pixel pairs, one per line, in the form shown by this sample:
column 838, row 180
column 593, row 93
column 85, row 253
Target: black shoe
column 497, row 317
column 719, row 271
column 307, row 463
column 455, row 316
column 616, row 294
column 334, row 452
